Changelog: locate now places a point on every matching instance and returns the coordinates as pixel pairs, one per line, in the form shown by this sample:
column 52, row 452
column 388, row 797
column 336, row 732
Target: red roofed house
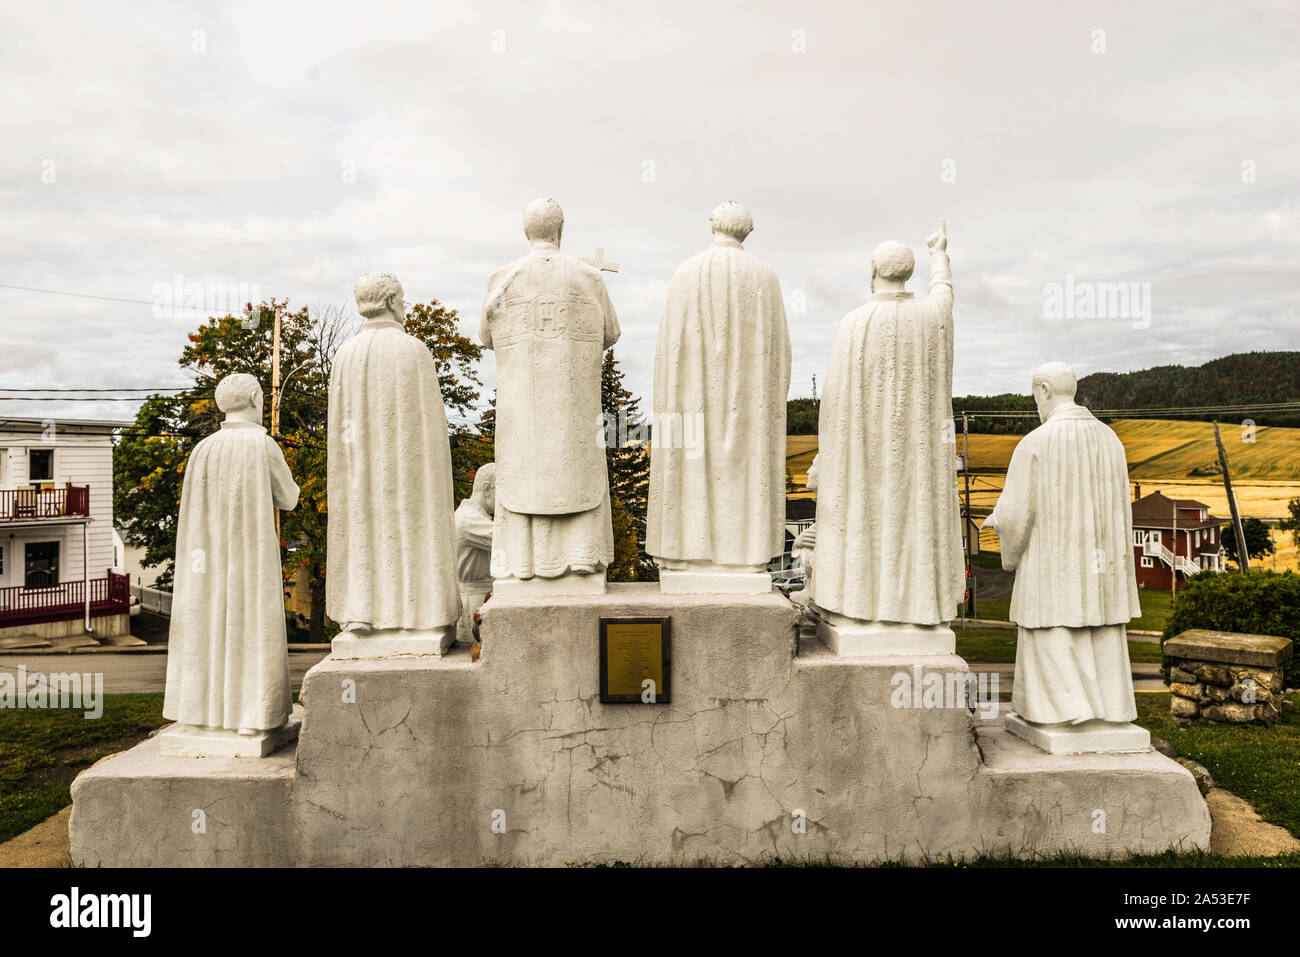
column 1174, row 536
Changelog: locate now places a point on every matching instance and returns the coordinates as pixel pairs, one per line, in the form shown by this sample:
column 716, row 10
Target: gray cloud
column 227, row 165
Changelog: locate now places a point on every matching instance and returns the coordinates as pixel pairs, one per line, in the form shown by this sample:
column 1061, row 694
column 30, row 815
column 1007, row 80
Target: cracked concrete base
column 143, row 809
column 768, row 748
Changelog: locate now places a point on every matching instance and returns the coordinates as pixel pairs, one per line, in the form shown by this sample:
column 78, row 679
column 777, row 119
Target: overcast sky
column 293, row 147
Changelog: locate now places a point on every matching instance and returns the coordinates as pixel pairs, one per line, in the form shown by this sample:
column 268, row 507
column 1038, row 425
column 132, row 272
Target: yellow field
column 1161, row 455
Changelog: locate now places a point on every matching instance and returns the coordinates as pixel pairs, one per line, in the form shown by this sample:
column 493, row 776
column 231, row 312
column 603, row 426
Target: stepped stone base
column 770, row 746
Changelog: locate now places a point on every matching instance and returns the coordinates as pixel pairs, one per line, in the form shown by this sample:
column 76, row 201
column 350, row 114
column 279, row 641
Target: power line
column 166, row 388
column 86, row 295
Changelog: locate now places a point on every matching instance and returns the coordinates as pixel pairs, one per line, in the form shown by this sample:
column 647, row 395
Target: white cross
column 599, row 261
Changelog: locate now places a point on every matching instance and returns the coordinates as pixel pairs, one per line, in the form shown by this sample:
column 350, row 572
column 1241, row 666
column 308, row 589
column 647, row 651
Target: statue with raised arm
column 890, row 569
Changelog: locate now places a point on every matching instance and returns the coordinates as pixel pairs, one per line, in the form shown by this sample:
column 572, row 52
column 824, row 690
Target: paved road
column 144, row 672
column 131, row 672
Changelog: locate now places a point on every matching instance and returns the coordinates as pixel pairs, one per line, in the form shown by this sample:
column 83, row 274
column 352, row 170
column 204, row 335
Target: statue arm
column 485, row 325
column 1013, row 515
column 612, row 330
column 284, row 490
column 474, row 529
column 940, row 267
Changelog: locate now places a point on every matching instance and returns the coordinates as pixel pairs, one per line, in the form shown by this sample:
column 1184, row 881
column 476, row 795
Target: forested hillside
column 1245, row 378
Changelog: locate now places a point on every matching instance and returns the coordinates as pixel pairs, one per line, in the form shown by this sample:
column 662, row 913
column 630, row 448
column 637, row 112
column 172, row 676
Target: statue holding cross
column 548, row 318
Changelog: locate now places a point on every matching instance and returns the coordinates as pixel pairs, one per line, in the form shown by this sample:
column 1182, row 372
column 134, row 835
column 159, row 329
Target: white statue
column 890, row 569
column 549, row 320
column 1066, row 529
column 391, row 573
column 227, row 658
column 716, row 512
column 474, row 548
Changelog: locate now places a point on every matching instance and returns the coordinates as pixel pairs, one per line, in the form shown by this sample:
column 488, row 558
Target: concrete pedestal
column 186, row 741
column 714, row 580
column 1087, row 737
column 570, row 583
column 770, row 746
column 849, row 636
column 393, row 643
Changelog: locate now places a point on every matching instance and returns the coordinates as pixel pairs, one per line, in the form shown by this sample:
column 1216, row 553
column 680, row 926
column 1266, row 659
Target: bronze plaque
column 635, row 658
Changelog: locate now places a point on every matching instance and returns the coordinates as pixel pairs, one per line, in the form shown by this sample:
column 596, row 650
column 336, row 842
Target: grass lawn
column 1259, row 764
column 1155, row 609
column 41, row 751
column 999, row 644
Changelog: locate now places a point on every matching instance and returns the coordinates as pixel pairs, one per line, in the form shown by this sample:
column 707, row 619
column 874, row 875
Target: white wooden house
column 56, row 529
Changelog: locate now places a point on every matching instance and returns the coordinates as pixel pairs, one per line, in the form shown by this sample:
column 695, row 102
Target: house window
column 1147, row 562
column 2, row 561
column 42, row 564
column 1139, row 537
column 1198, row 538
column 40, row 465
column 1212, row 534
column 1155, row 538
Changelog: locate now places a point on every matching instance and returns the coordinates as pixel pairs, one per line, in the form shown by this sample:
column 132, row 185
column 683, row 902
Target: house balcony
column 21, row 605
column 38, row 505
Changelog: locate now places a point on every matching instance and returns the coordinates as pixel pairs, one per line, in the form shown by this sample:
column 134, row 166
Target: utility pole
column 275, row 374
column 1243, row 558
column 1173, row 566
column 969, row 530
column 275, row 392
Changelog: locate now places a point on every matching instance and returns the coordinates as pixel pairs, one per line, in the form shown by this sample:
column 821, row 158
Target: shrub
column 1257, row 603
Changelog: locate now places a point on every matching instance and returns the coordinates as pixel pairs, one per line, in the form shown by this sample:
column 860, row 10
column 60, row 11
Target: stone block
column 1183, row 690
column 140, row 808
column 1183, row 708
column 1268, row 651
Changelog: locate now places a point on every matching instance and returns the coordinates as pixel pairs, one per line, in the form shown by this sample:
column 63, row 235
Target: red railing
column 67, row 600
column 18, row 504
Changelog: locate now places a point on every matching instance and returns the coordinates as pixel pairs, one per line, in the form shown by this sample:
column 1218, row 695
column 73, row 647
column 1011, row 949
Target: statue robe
column 888, row 524
column 227, row 656
column 722, row 371
column 1066, row 528
column 473, row 563
column 391, row 562
column 549, row 319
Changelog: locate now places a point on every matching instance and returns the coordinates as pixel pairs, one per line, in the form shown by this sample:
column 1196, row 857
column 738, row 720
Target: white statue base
column 849, row 636
column 393, row 642
column 1089, row 737
column 570, row 583
column 705, row 578
column 760, row 724
column 189, row 741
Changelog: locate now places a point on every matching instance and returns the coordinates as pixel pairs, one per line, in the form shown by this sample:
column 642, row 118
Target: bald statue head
column 544, row 221
column 1054, row 386
column 891, row 266
column 239, row 396
column 731, row 219
column 484, row 494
